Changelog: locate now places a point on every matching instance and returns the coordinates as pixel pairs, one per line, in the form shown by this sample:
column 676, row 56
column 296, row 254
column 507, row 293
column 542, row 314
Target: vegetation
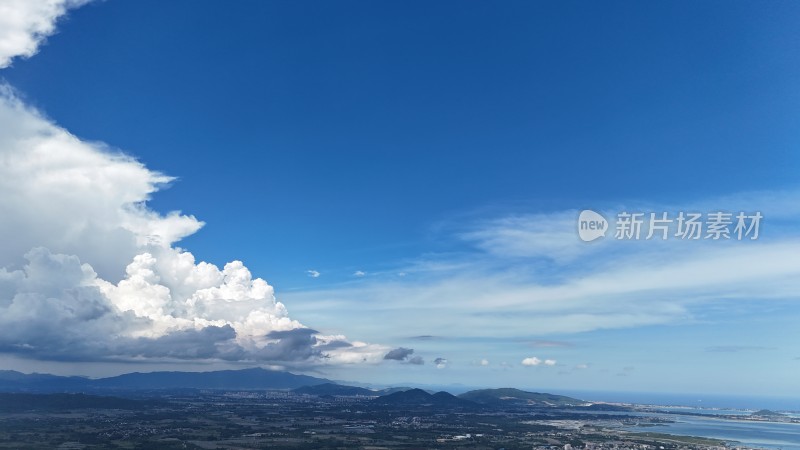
column 511, row 396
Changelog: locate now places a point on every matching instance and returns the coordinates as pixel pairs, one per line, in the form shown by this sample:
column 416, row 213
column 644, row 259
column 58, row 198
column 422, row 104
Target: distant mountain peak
column 419, row 397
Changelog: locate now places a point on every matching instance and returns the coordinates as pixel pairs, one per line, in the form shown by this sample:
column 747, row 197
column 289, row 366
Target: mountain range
column 418, row 397
column 335, row 389
column 262, row 379
column 245, row 379
column 343, row 389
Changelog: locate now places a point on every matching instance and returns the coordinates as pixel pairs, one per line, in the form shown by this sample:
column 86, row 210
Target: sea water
column 770, row 435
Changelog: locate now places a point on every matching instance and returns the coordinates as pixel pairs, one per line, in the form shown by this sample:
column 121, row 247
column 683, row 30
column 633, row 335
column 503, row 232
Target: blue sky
column 442, row 150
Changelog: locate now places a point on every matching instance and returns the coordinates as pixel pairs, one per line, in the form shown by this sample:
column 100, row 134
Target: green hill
column 418, row 397
column 516, row 397
column 768, row 413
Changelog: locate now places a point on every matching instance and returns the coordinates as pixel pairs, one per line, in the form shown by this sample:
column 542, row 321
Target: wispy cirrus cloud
column 503, row 282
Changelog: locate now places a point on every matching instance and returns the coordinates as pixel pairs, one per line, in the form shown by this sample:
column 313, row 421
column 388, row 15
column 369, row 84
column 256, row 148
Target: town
column 293, row 419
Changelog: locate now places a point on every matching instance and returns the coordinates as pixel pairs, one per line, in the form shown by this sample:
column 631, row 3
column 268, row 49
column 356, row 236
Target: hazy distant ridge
column 257, row 378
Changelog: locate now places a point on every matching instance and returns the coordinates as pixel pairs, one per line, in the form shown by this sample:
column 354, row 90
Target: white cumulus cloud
column 24, row 24
column 534, row 361
column 89, row 272
column 76, row 197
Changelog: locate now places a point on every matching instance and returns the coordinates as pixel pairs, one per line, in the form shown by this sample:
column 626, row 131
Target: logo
column 591, row 225
column 686, row 225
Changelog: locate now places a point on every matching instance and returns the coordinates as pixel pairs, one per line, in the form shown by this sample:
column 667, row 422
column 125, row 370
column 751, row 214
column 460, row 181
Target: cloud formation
column 550, row 236
column 604, row 285
column 399, row 354
column 534, row 361
column 24, row 24
column 403, row 354
column 75, row 197
column 88, row 272
column 57, row 308
column 531, row 361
